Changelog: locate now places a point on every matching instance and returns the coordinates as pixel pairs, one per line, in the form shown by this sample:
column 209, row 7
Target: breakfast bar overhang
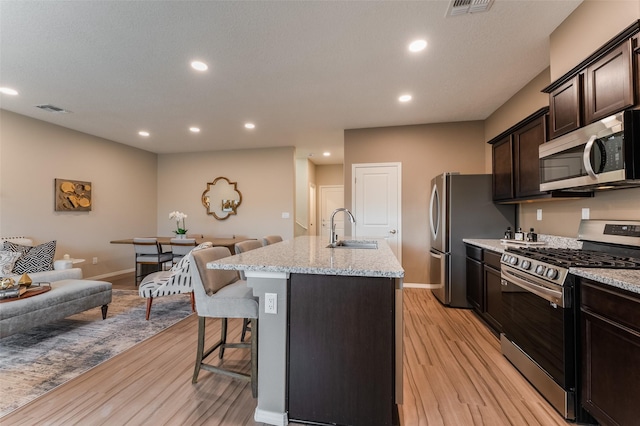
column 332, row 351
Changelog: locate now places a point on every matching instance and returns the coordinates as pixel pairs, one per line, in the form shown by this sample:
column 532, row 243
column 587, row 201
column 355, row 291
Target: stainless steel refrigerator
column 460, row 207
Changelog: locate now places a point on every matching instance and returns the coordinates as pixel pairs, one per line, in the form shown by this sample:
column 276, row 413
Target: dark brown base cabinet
column 610, row 353
column 484, row 285
column 342, row 350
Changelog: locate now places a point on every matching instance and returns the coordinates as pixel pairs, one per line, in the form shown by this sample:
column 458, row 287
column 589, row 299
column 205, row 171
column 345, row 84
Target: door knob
column 393, row 231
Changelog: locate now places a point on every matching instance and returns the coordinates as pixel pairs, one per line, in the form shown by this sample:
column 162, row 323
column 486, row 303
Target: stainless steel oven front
column 539, row 336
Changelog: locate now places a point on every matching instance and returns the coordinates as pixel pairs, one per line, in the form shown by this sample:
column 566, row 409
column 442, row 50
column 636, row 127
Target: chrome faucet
column 334, row 237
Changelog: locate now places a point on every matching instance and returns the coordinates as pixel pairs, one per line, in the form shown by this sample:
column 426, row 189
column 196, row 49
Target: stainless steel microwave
column 602, row 155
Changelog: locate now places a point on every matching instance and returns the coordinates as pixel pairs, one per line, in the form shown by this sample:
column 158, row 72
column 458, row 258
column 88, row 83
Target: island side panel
column 272, row 344
column 342, row 349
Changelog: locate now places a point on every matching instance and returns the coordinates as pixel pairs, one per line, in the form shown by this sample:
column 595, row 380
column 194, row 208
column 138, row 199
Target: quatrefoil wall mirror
column 221, row 198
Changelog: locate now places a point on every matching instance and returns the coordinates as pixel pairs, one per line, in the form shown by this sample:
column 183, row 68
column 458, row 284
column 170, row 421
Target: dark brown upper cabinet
column 609, row 84
column 603, row 84
column 503, row 169
column 516, row 168
column 564, row 107
column 526, row 141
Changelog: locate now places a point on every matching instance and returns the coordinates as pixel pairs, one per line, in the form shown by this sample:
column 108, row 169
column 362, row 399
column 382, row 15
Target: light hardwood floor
column 454, row 375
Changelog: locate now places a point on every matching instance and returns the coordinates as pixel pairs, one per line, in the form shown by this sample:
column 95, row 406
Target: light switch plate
column 285, row 215
column 585, row 213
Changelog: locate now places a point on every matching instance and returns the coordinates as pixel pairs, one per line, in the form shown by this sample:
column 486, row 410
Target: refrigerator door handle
column 434, row 226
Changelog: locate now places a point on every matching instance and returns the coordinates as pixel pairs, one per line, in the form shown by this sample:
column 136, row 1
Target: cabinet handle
column 637, row 50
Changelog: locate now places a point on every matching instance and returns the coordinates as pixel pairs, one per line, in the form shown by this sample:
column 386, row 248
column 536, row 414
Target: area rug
column 44, row 357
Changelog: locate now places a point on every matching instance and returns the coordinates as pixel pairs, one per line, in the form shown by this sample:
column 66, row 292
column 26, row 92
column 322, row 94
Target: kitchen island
column 332, row 351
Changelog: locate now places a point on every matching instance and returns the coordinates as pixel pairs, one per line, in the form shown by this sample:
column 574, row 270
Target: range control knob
column 540, row 270
column 505, row 257
column 526, row 265
column 552, row 273
column 513, row 260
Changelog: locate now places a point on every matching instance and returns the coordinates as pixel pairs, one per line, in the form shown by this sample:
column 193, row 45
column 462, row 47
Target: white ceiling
column 302, row 71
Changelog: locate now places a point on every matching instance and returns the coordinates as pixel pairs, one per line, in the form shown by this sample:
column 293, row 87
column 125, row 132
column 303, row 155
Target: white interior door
column 331, row 198
column 377, row 205
column 312, row 209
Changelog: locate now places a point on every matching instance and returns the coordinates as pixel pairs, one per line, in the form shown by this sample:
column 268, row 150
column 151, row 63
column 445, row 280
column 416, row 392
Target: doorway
column 331, row 198
column 377, row 203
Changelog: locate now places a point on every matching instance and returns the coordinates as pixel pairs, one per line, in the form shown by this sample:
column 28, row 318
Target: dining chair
column 149, row 252
column 271, row 239
column 221, row 294
column 180, row 247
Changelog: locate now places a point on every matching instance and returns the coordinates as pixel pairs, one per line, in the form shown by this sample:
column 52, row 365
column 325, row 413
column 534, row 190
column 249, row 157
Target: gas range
column 553, row 263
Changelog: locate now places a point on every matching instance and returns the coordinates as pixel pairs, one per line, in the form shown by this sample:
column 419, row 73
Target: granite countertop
column 627, row 279
column 309, row 255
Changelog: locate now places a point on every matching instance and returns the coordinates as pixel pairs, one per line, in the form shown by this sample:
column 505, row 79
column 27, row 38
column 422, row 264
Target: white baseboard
column 111, row 274
column 271, row 417
column 419, row 285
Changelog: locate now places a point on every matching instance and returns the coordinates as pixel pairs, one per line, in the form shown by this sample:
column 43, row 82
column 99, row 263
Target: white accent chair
column 220, row 294
column 166, row 283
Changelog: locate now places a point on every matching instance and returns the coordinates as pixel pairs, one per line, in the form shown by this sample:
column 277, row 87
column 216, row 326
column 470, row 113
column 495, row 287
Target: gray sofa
column 69, row 295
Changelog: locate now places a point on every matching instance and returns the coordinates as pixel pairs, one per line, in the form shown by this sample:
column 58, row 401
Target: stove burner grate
column 578, row 258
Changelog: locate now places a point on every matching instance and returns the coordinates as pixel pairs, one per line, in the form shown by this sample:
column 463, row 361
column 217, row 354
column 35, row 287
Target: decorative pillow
column 7, row 261
column 33, row 259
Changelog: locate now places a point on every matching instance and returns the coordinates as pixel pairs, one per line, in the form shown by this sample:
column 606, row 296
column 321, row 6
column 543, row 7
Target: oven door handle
column 551, row 295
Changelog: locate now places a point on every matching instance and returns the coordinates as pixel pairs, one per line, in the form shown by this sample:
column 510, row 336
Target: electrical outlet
column 585, row 213
column 270, row 303
column 95, row 260
column 539, row 214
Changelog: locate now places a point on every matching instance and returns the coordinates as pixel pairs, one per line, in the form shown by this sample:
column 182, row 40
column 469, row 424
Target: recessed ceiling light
column 143, row 133
column 326, row 154
column 249, row 125
column 194, row 129
column 417, row 45
column 405, row 98
column 8, row 91
column 200, row 66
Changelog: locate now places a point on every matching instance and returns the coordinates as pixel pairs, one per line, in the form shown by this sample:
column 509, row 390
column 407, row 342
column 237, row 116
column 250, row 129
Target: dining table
column 166, row 241
column 217, row 242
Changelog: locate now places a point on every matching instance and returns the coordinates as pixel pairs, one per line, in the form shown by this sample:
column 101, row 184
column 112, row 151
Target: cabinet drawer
column 612, row 303
column 474, row 252
column 492, row 259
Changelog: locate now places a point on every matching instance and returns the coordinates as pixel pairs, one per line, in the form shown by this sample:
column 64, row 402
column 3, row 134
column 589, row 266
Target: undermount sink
column 355, row 244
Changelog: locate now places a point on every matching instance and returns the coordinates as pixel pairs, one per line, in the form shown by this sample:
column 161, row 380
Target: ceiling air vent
column 53, row 108
column 462, row 7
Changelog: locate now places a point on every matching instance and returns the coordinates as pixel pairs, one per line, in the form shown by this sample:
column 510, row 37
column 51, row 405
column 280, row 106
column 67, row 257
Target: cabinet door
column 635, row 45
column 503, row 170
column 610, row 354
column 341, row 350
column 609, row 84
column 493, row 298
column 527, row 166
column 564, row 108
column 475, row 290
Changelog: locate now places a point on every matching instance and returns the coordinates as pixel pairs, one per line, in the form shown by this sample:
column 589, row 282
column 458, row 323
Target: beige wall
column 424, row 151
column 590, row 26
column 265, row 177
column 331, row 174
column 563, row 217
column 524, row 103
column 34, row 153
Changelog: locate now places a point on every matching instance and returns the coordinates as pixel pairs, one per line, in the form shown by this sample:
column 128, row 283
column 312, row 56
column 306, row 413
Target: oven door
column 538, row 319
